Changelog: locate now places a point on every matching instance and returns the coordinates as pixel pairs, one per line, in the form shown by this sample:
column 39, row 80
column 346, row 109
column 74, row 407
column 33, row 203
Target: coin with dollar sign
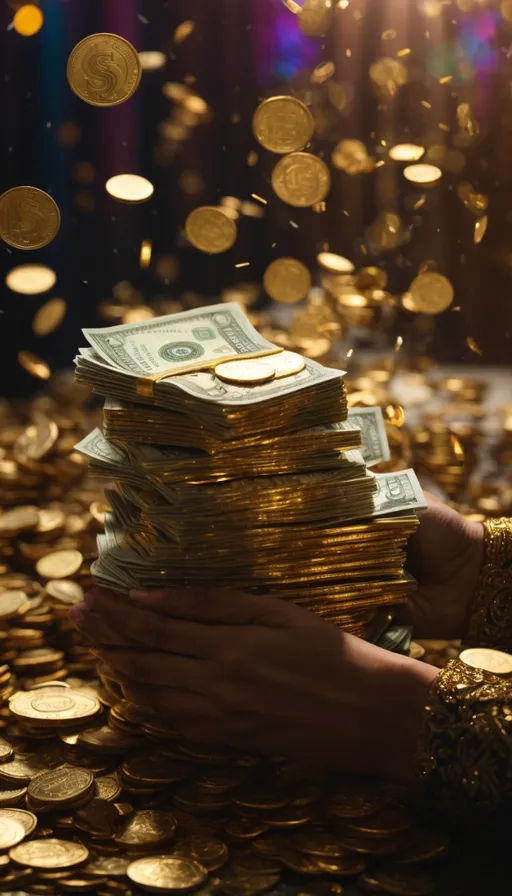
column 29, row 218
column 104, row 70
column 301, row 179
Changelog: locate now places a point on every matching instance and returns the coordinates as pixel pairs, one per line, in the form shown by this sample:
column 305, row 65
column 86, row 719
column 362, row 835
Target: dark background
column 239, row 52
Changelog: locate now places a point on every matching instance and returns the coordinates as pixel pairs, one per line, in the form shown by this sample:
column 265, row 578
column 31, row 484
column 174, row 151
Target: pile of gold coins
column 97, row 796
column 48, row 525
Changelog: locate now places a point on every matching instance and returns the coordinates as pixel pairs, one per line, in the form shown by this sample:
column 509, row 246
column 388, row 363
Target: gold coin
column 287, row 364
column 406, row 152
column 166, row 873
column 301, row 179
column 60, row 785
column 59, row 565
column 210, row 230
column 31, row 279
column 49, row 853
column 416, row 651
column 315, row 17
column 104, row 70
column 54, row 704
column 27, row 819
column 388, row 73
column 29, row 218
column 131, row 188
column 147, row 828
column 245, row 373
column 11, row 832
column 65, row 591
column 13, row 603
column 6, row 750
column 49, row 317
column 34, row 365
column 488, row 660
column 287, row 280
column 480, row 229
column 38, row 439
column 107, row 788
column 422, row 174
column 430, row 293
column 12, row 522
column 283, row 124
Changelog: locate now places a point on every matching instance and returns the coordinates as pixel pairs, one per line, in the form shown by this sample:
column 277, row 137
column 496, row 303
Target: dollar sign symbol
column 31, row 221
column 98, row 73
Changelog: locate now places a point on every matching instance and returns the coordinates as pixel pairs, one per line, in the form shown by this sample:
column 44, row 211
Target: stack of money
column 210, row 429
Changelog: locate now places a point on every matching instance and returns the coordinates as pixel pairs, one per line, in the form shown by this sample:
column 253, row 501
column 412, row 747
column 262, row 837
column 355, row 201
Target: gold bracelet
column 490, row 623
column 466, row 744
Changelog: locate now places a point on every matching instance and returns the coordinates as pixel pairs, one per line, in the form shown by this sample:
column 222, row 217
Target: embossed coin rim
column 74, row 52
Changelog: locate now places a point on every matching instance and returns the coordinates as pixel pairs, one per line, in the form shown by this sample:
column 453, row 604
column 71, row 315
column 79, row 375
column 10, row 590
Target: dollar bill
column 398, row 492
column 370, row 421
column 179, row 342
column 98, row 448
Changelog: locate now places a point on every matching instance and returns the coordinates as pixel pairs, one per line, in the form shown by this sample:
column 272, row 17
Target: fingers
column 111, row 621
column 181, row 708
column 148, row 667
column 215, row 606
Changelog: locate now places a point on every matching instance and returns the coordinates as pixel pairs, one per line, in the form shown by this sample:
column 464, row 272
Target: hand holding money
column 261, row 674
column 445, row 556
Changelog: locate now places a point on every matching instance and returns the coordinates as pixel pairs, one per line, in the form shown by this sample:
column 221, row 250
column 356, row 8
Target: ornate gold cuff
column 490, row 622
column 466, row 743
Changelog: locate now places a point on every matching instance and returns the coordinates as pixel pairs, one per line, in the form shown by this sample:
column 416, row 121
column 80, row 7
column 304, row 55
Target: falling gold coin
column 422, row 174
column 245, row 373
column 351, row 156
column 301, row 179
column 210, row 230
column 336, row 263
column 31, row 279
column 49, row 317
column 283, row 124
column 167, row 873
column 152, row 60
column 480, row 229
column 59, row 565
column 28, row 20
column 287, row 280
column 287, row 364
column 49, row 853
column 388, row 73
column 130, row 188
column 104, row 70
column 29, row 218
column 489, row 660
column 315, row 17
column 406, row 152
column 34, row 365
column 430, row 293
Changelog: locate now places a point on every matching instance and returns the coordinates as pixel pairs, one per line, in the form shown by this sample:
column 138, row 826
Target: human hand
column 445, row 555
column 261, row 674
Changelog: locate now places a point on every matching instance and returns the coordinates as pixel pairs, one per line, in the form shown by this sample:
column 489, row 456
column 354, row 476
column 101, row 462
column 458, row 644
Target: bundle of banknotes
column 253, row 479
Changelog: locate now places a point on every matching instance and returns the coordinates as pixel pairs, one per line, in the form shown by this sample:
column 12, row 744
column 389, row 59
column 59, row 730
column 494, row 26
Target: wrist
column 407, row 685
column 475, row 560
